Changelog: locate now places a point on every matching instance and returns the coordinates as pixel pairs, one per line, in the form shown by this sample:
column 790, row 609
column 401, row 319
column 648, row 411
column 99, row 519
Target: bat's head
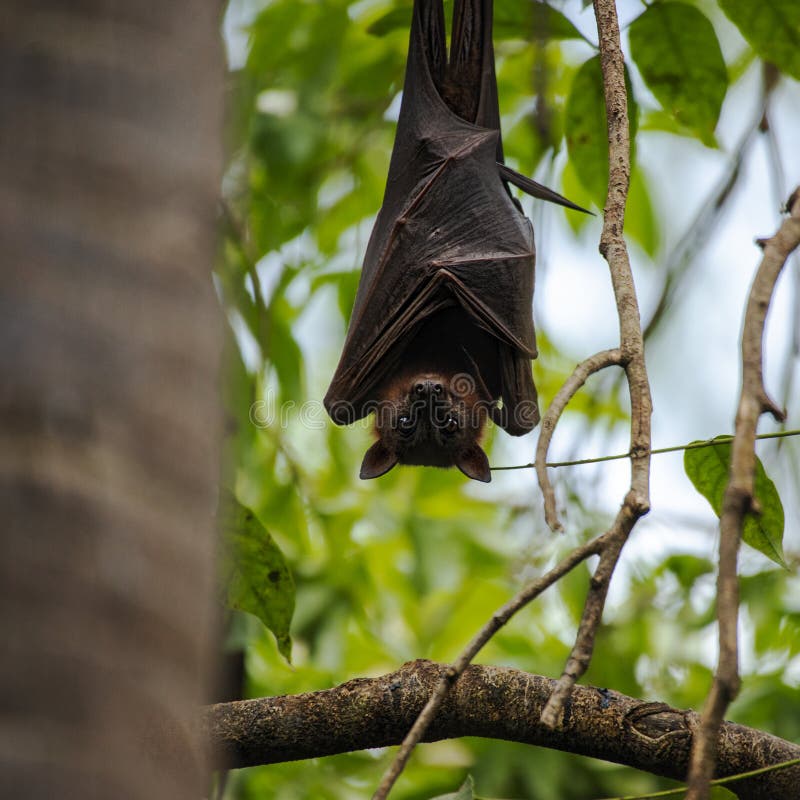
column 430, row 420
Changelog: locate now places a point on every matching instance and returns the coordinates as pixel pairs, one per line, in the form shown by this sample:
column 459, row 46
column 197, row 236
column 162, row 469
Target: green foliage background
column 411, row 565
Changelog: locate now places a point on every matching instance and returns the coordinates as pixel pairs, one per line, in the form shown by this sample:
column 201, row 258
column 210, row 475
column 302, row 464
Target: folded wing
column 448, row 231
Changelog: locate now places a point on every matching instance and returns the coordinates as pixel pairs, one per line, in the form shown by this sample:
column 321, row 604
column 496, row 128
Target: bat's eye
column 406, row 425
column 450, row 424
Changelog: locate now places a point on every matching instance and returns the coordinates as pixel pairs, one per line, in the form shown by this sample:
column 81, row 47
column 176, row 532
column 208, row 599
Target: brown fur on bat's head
column 430, row 420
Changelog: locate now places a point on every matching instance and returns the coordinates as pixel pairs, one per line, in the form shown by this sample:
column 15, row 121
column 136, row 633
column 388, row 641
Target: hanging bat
column 441, row 336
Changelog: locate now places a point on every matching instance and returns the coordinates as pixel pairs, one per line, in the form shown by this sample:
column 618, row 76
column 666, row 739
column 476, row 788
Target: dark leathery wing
column 449, row 231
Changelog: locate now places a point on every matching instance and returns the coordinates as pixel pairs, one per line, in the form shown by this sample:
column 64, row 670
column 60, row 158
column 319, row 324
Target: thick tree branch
column 492, row 702
column 738, row 499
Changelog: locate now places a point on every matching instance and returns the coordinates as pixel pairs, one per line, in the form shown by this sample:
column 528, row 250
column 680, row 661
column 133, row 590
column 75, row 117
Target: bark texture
column 492, row 702
column 110, row 156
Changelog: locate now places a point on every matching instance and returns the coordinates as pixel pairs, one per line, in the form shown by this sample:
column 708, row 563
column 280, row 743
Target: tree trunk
column 110, row 163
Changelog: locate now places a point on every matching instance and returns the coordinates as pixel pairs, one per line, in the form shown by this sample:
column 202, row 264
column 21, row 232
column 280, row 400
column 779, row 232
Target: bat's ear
column 378, row 460
column 474, row 464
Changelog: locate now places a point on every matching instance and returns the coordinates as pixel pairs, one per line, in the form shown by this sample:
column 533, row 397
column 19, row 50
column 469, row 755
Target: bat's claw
column 535, row 189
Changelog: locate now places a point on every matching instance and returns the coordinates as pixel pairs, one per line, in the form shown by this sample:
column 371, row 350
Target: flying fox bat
column 441, row 335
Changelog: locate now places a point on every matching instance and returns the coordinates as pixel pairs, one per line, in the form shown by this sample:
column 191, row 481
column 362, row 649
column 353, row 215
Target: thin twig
column 581, row 655
column 613, row 248
column 239, row 235
column 738, row 497
column 676, row 265
column 571, row 386
column 451, row 674
column 778, row 176
column 631, row 356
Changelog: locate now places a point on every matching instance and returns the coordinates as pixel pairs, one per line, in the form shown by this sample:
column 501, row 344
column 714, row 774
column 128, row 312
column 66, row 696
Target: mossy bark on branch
column 490, row 702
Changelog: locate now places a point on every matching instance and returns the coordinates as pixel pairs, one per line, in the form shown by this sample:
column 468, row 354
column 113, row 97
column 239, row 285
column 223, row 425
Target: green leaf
column 677, row 52
column 346, row 284
column 466, row 792
column 708, row 469
column 257, row 578
column 585, row 128
column 238, row 395
column 687, row 568
column 518, row 20
column 278, row 343
column 572, row 187
column 772, row 27
column 640, row 220
column 285, row 354
column 659, row 120
column 721, row 793
column 393, row 20
column 532, row 19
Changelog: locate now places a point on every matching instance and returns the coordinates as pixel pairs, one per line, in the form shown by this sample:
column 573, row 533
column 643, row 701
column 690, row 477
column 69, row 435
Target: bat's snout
column 428, row 390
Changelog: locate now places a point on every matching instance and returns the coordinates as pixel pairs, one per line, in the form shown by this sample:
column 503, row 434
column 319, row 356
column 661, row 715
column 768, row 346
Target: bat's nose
column 428, row 389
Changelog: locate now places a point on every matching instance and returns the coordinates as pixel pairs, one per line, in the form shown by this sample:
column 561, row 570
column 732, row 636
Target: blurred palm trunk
column 109, row 167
